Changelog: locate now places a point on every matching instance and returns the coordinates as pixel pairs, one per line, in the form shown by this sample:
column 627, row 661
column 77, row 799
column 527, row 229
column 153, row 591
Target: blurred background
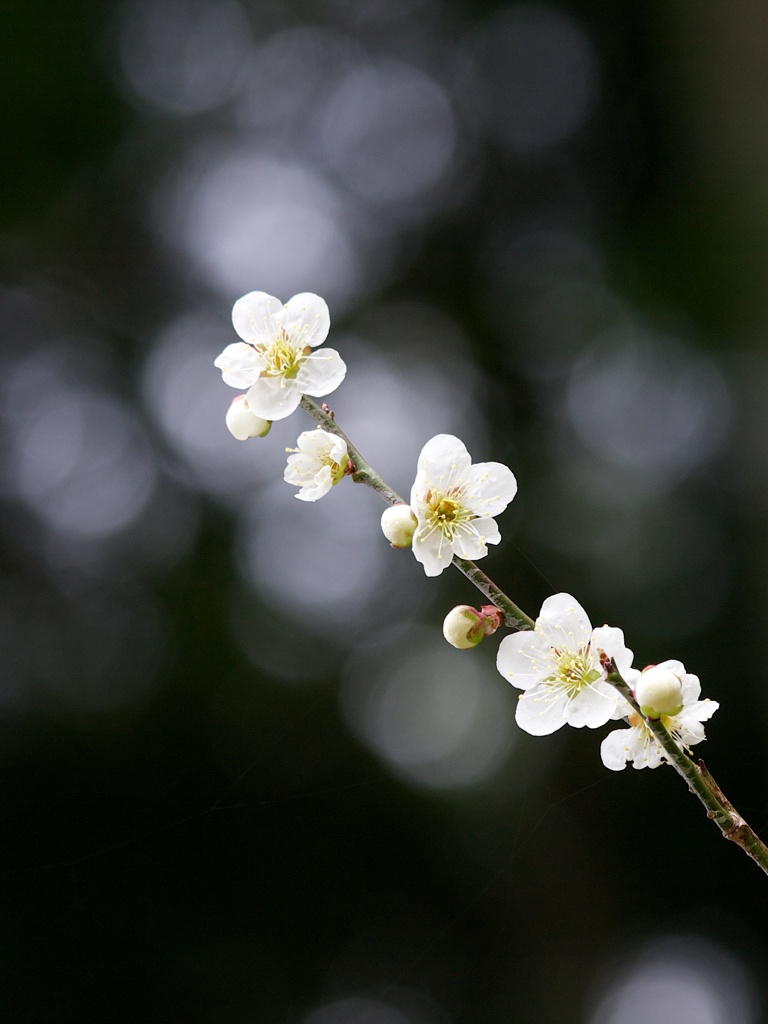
column 243, row 777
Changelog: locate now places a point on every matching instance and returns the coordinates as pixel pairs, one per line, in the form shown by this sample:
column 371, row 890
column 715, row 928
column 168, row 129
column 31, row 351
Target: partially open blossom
column 638, row 744
column 398, row 523
column 276, row 359
column 464, row 626
column 242, row 423
column 659, row 691
column 454, row 503
column 562, row 665
column 317, row 464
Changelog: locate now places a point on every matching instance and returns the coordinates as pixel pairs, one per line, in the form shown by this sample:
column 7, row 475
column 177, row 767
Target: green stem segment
column 698, row 777
column 701, row 783
column 363, row 473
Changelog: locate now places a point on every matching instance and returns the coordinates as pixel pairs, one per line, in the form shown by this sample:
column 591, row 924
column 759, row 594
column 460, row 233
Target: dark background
column 243, row 778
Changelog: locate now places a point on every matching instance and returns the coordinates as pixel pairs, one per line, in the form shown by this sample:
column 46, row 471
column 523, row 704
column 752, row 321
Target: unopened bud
column 659, row 692
column 398, row 524
column 464, row 627
column 242, row 423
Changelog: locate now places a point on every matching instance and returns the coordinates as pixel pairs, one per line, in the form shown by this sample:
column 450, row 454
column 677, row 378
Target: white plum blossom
column 454, row 503
column 398, row 524
column 562, row 665
column 638, row 745
column 242, row 423
column 317, row 464
column 277, row 358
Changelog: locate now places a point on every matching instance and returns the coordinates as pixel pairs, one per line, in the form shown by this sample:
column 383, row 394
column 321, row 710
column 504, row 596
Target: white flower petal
column 623, row 708
column 320, row 485
column 564, row 623
column 431, row 550
column 255, row 317
column 307, row 315
column 611, row 640
column 321, row 373
column 687, row 723
column 490, row 488
column 444, row 462
column 592, row 706
column 470, row 542
column 314, row 442
column 524, row 658
column 240, row 365
column 338, row 449
column 615, row 749
column 274, row 398
column 299, row 470
column 673, row 665
column 703, row 709
column 540, row 712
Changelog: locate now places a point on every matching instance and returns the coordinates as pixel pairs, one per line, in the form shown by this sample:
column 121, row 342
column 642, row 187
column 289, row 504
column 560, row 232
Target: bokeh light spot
column 248, row 220
column 434, row 715
column 182, row 56
column 78, row 456
column 541, row 76
column 389, row 132
column 679, row 980
column 649, row 403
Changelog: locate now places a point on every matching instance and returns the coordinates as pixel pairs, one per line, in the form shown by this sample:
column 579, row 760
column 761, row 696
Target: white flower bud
column 242, row 423
column 659, row 692
column 464, row 627
column 398, row 524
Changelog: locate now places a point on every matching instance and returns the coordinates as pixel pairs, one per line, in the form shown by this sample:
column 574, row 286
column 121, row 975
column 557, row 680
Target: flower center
column 283, row 356
column 337, row 468
column 574, row 671
column 446, row 512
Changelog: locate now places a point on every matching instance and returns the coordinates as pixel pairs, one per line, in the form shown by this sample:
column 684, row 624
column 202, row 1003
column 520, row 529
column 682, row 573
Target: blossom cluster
column 565, row 668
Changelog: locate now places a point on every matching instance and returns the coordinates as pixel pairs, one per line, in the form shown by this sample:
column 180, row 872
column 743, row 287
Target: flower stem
column 699, row 779
column 363, row 472
column 701, row 783
column 514, row 617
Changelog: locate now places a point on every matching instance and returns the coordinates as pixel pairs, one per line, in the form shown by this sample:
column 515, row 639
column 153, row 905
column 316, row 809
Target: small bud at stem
column 398, row 524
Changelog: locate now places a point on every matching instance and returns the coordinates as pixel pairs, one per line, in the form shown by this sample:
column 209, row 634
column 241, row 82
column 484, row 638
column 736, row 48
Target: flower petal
column 240, row 365
column 490, row 489
column 615, row 749
column 563, row 622
column 687, row 723
column 314, row 442
column 321, row 373
column 306, row 316
column 255, row 317
column 703, row 709
column 592, row 706
column 611, row 640
column 444, row 462
column 539, row 712
column 322, row 483
column 274, row 398
column 470, row 541
column 524, row 659
column 431, row 550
